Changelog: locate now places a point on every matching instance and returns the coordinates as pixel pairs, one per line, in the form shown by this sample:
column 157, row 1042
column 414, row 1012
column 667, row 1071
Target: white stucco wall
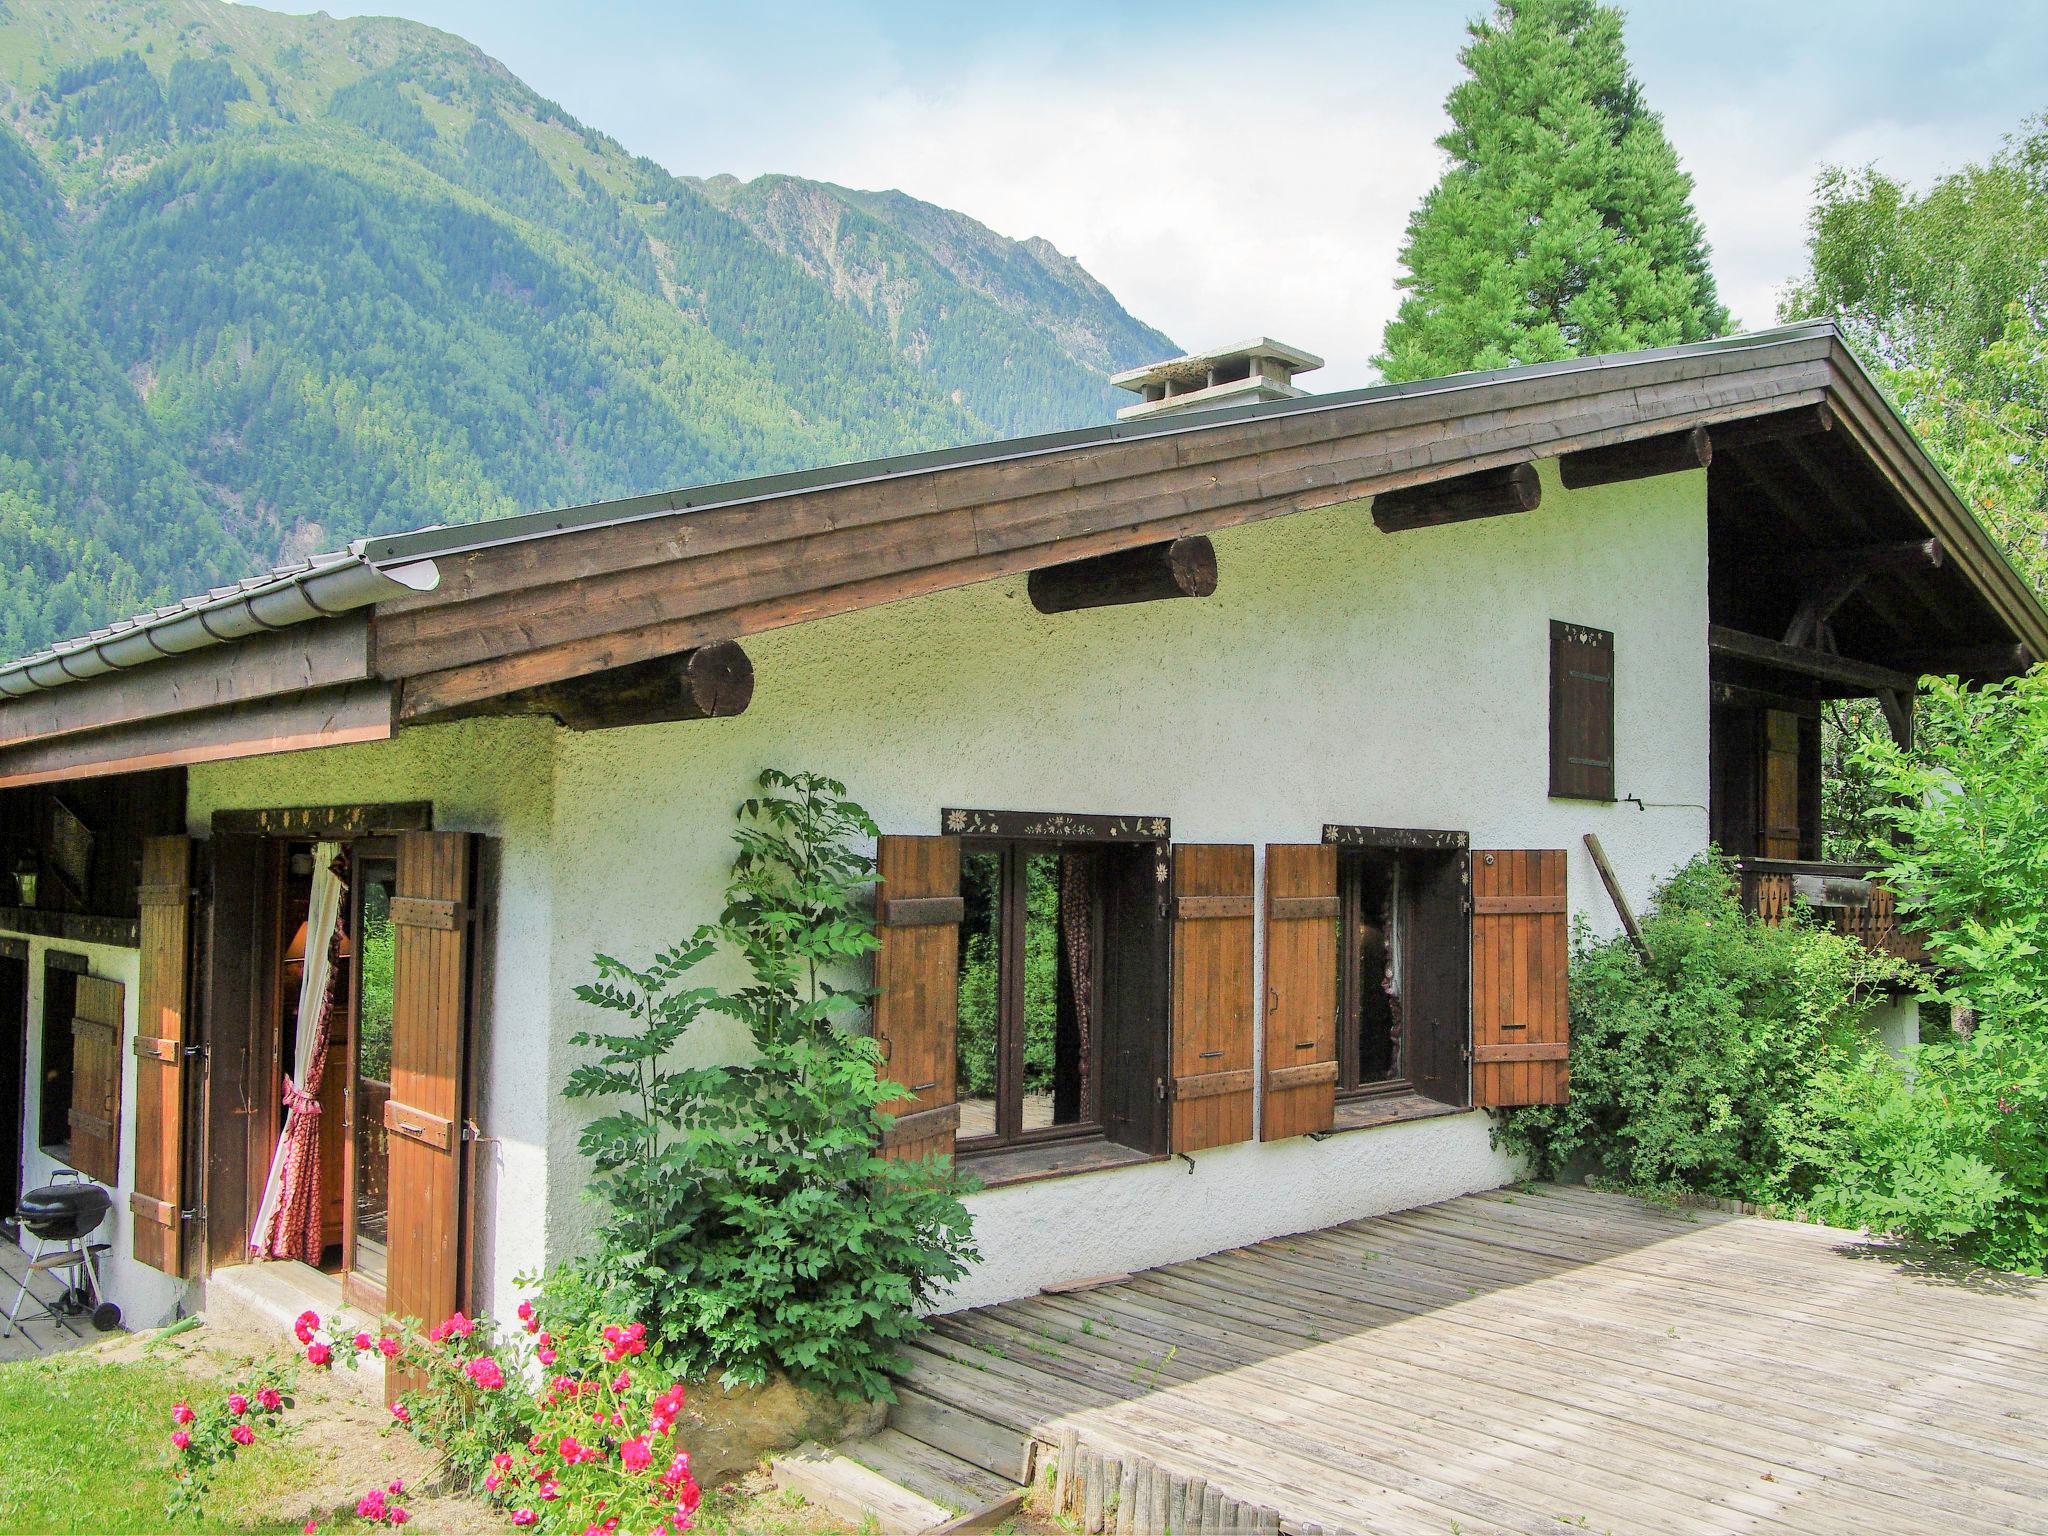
column 494, row 777
column 146, row 1296
column 1338, row 675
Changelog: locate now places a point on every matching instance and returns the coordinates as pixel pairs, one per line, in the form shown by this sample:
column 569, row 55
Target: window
column 61, row 971
column 1029, row 1046
column 1402, row 962
column 1581, row 712
column 1061, row 978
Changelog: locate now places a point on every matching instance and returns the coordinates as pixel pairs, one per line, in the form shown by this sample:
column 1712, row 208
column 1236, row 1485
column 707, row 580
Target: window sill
column 1390, row 1109
column 1001, row 1166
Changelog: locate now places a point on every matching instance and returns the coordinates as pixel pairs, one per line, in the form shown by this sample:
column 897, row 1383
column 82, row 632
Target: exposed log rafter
column 1667, row 454
column 1152, row 573
column 1485, row 493
column 711, row 682
column 1838, row 574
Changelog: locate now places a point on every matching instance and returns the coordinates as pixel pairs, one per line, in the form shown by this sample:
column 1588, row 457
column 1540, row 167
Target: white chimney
column 1252, row 370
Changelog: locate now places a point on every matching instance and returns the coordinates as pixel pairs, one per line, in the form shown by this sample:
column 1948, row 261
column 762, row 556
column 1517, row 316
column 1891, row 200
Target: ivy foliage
column 1564, row 224
column 1690, row 1070
column 750, row 1222
column 1950, row 1144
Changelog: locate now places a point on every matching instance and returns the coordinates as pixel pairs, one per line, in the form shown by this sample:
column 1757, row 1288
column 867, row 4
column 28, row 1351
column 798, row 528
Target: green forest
column 269, row 283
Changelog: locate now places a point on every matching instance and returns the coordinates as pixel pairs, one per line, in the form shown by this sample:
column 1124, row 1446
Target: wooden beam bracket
column 1670, row 453
column 1484, row 493
column 1151, row 573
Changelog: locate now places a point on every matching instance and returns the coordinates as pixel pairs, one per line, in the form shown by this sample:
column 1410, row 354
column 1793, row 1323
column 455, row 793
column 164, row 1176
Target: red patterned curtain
column 288, row 1223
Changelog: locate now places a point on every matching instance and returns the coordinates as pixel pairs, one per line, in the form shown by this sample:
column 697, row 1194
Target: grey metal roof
column 444, row 539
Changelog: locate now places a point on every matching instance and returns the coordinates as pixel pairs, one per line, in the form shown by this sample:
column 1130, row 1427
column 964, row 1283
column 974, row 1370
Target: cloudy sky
column 1229, row 169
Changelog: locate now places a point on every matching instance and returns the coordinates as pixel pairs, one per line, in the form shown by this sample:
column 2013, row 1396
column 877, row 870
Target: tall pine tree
column 1564, row 224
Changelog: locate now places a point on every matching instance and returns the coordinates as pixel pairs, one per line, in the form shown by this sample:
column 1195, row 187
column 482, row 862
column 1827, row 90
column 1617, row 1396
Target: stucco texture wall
column 495, row 777
column 1339, row 674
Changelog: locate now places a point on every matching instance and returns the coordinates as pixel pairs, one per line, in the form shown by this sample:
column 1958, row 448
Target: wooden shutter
column 1137, row 978
column 1521, row 1030
column 432, row 919
column 1581, row 712
column 1212, row 995
column 1301, row 990
column 96, row 1078
column 917, row 979
column 160, row 1034
column 1781, row 790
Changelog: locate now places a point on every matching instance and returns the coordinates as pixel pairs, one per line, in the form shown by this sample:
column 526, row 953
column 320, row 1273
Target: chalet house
column 1273, row 725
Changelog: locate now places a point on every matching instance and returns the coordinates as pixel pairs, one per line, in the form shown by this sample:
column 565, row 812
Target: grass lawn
column 85, row 1447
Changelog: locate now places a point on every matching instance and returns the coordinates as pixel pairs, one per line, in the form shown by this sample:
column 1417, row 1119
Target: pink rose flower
column 387, row 1347
column 237, row 1404
column 491, row 1481
column 486, row 1373
column 319, row 1354
column 364, row 1341
column 181, row 1439
column 502, row 1461
column 303, row 1327
column 401, row 1413
column 181, row 1413
column 310, row 1527
column 242, row 1434
column 269, row 1400
column 399, row 1517
column 635, row 1455
column 523, row 1516
column 545, row 1355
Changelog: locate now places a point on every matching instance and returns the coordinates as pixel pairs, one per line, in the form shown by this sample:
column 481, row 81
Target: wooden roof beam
column 1973, row 661
column 1183, row 567
column 1859, row 678
column 1495, row 492
column 711, row 682
column 1669, row 453
column 1747, row 431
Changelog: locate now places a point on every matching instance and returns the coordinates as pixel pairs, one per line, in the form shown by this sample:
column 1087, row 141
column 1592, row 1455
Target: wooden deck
column 1548, row 1361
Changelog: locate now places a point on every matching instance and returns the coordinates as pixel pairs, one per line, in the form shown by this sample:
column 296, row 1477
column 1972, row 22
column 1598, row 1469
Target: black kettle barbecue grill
column 66, row 1214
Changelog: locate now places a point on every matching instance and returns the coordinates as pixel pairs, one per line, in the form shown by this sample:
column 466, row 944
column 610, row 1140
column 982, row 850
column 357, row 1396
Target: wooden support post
column 1897, row 704
column 1669, row 454
column 1063, row 1471
column 1127, row 1499
column 1212, row 1512
column 1180, row 568
column 1485, row 493
column 1804, row 421
column 1621, row 906
column 1092, row 1478
column 711, row 682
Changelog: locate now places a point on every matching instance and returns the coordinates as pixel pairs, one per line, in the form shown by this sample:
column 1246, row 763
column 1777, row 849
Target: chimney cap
column 1260, row 369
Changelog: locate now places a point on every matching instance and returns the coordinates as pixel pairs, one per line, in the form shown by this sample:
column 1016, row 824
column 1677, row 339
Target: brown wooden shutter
column 1212, row 995
column 160, row 1034
column 96, row 1028
column 1779, row 837
column 1521, row 1029
column 1301, row 990
column 432, row 919
column 917, row 977
column 1581, row 712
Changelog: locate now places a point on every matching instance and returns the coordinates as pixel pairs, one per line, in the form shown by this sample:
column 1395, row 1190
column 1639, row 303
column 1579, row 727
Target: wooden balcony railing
column 1848, row 897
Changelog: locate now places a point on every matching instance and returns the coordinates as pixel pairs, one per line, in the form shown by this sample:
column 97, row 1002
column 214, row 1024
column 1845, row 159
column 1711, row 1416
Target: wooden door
column 1212, row 1004
column 239, row 947
column 1301, row 990
column 432, row 917
column 918, row 908
column 158, row 1196
column 96, row 1029
column 1521, row 1025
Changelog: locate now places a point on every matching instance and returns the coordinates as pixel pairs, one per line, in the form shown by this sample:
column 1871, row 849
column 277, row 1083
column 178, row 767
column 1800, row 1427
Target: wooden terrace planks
column 1523, row 1362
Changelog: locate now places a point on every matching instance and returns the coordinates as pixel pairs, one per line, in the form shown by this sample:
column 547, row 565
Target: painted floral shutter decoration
column 1581, row 712
column 1521, row 1025
column 1301, row 990
column 1212, row 1004
column 96, row 1028
column 918, row 908
column 433, row 912
column 162, row 1004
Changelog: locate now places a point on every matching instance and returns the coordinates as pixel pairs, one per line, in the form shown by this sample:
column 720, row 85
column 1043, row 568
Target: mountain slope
column 275, row 281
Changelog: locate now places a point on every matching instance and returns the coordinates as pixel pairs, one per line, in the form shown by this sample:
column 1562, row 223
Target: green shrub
column 1691, row 1070
column 1951, row 1145
column 750, row 1222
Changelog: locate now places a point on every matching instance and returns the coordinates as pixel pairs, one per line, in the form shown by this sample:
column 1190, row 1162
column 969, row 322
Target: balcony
column 1845, row 897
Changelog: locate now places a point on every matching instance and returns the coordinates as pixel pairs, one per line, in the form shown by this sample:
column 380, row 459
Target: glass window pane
column 1379, row 981
column 1059, row 988
column 975, row 1041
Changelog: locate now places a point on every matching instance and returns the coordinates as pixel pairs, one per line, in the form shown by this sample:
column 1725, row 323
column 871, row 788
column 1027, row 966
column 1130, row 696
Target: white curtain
column 302, row 1097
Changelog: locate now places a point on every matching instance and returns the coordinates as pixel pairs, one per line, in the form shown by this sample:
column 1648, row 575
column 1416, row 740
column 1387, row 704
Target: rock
column 728, row 1431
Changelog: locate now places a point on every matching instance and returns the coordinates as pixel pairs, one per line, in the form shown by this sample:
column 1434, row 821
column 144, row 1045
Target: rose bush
column 207, row 1437
column 565, row 1435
